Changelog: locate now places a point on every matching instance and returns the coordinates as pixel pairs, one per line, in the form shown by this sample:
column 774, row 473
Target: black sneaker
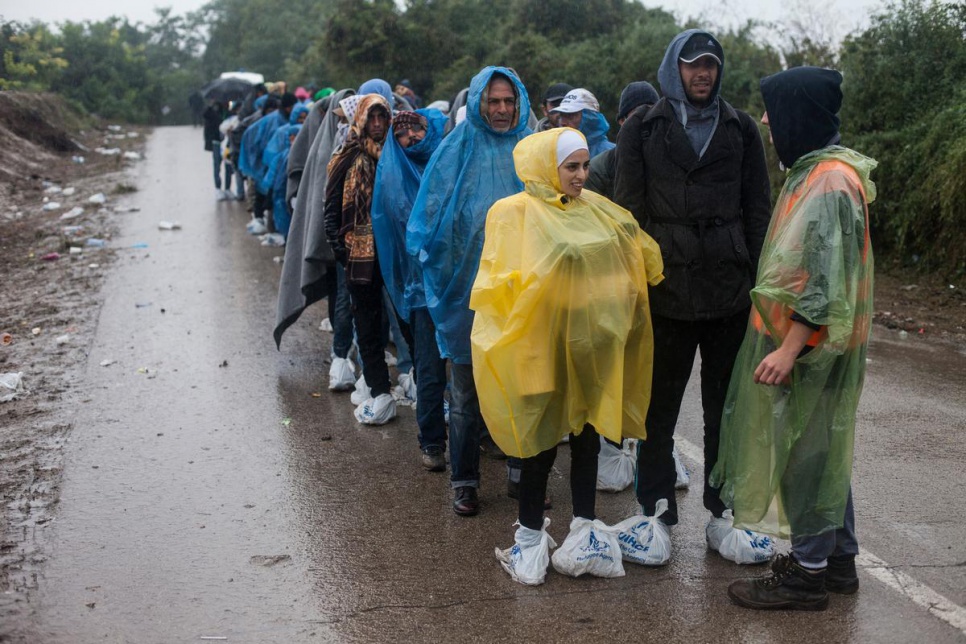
column 789, row 587
column 841, row 576
column 465, row 501
column 433, row 459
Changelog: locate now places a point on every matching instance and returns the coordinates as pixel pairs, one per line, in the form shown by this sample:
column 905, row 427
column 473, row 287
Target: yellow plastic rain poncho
column 785, row 459
column 562, row 333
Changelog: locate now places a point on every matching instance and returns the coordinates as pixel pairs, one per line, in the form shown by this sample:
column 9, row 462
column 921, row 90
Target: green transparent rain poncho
column 785, row 458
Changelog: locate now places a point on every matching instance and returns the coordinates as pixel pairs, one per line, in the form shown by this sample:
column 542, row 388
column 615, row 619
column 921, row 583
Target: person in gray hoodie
column 692, row 171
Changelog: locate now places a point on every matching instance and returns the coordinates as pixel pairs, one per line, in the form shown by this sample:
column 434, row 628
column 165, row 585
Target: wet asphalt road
column 193, row 509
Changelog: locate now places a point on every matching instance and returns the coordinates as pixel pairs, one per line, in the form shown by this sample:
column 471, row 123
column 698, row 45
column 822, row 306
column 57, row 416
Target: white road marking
column 917, row 592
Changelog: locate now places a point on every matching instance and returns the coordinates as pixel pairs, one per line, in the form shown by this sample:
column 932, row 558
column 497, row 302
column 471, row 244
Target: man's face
column 377, row 124
column 410, row 135
column 552, row 117
column 571, row 120
column 501, row 105
column 698, row 78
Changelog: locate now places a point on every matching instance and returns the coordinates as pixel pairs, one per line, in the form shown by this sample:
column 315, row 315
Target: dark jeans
column 430, row 371
column 216, row 161
column 675, row 343
column 263, row 203
column 342, row 319
column 583, row 479
column 465, row 426
column 368, row 313
column 816, row 549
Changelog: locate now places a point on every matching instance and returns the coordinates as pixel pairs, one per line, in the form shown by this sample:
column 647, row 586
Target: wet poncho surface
column 562, row 334
column 397, row 183
column 277, row 177
column 785, row 458
column 471, row 169
column 254, row 142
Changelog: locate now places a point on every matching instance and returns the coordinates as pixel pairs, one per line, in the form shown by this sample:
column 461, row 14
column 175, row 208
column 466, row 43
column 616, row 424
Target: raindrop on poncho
column 471, row 169
column 785, row 458
column 397, row 183
column 562, row 334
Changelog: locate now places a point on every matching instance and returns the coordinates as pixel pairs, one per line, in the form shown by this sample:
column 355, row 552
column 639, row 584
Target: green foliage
column 29, row 56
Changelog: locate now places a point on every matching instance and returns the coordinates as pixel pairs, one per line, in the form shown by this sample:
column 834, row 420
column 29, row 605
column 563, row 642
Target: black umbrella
column 226, row 89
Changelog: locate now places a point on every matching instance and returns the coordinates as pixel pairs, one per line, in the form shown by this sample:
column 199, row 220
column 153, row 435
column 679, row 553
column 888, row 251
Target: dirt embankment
column 53, row 161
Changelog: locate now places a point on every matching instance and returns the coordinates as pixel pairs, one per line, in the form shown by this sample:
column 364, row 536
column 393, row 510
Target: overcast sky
column 844, row 15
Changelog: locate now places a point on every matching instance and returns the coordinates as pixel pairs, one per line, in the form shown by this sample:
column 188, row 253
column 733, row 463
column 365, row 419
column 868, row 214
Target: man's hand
column 776, row 367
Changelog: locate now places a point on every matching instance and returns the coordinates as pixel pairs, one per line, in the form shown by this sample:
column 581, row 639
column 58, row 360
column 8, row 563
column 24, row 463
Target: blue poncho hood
column 471, row 169
column 297, row 111
column 254, row 142
column 281, row 210
column 377, row 86
column 278, row 144
column 398, row 176
column 594, row 127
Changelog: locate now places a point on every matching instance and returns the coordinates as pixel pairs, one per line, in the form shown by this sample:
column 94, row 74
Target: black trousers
column 675, row 344
column 583, row 479
column 368, row 314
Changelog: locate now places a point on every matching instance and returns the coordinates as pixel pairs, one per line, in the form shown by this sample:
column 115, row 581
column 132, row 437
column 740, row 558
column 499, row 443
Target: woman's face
column 573, row 173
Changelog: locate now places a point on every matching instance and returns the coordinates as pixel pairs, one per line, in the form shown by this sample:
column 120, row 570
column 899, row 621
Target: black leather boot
column 841, row 576
column 788, row 587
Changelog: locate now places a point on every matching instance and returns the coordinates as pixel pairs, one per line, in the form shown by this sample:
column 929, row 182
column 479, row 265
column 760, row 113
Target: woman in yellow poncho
column 562, row 336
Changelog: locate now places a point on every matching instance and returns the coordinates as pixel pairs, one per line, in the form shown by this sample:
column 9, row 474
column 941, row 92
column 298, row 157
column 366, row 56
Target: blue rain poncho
column 398, row 176
column 471, row 169
column 254, row 142
column 297, row 111
column 594, row 127
column 281, row 211
column 562, row 335
column 276, row 145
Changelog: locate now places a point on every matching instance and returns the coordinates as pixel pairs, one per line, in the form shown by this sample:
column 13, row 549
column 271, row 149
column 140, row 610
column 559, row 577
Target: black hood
column 802, row 105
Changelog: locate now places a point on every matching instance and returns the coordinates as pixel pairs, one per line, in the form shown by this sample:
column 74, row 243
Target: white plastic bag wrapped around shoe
column 376, row 411
column 391, row 360
column 527, row 560
column 591, row 548
column 645, row 540
column 326, row 325
column 683, row 481
column 408, row 383
column 616, row 468
column 737, row 545
column 342, row 376
column 362, row 392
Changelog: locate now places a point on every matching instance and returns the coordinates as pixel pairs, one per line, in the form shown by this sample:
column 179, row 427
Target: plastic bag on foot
column 362, row 392
column 527, row 560
column 342, row 375
column 616, row 467
column 645, row 540
column 376, row 411
column 683, row 480
column 591, row 548
column 735, row 544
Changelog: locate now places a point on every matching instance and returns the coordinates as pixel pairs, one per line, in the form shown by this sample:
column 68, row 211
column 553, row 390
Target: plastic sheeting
column 397, row 183
column 254, row 142
column 562, row 335
column 471, row 169
column 785, row 458
column 281, row 210
column 594, row 126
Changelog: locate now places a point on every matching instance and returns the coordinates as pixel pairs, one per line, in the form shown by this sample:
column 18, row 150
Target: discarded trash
column 51, row 205
column 132, row 156
column 50, row 257
column 62, row 339
column 316, row 394
column 922, row 331
column 278, row 259
column 53, row 190
column 76, row 211
column 269, row 560
column 903, row 335
column 133, row 135
column 224, row 363
column 114, row 128
column 36, row 330
column 107, row 363
column 11, row 386
column 128, row 209
column 78, row 159
column 6, row 339
column 169, row 225
column 142, row 305
column 98, row 198
column 76, row 250
column 96, row 243
column 139, row 245
column 286, row 421
column 93, row 266
column 109, row 152
column 72, row 231
column 67, row 192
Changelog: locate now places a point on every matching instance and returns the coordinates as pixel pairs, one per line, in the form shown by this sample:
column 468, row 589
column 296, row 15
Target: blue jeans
column 465, row 426
column 216, row 161
column 342, row 324
column 430, row 380
column 816, row 549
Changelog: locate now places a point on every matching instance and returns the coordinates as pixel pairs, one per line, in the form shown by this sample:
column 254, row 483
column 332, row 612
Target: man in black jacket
column 692, row 171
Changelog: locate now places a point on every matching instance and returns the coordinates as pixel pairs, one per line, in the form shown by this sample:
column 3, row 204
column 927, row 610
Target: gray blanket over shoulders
column 308, row 256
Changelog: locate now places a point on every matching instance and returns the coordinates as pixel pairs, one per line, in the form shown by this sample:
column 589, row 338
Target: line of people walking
column 558, row 287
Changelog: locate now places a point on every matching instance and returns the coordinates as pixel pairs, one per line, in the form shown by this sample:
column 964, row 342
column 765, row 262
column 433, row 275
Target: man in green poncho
column 785, row 458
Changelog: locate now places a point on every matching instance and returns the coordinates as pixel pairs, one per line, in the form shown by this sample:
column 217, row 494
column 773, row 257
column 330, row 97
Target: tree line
column 905, row 100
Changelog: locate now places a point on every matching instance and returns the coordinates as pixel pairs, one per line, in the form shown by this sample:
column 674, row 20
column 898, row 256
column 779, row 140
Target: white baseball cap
column 577, row 100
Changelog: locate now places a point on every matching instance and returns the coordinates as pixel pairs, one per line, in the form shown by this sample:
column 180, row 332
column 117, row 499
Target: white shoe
column 526, row 560
column 326, row 325
column 256, row 226
column 362, row 392
column 376, row 411
column 342, row 376
column 276, row 240
column 683, row 481
column 408, row 383
column 735, row 544
column 220, row 195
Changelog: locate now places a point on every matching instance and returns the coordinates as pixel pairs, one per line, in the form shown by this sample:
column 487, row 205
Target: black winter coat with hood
column 709, row 214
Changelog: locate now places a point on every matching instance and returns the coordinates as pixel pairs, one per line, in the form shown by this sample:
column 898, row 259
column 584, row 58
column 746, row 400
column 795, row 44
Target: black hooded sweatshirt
column 802, row 105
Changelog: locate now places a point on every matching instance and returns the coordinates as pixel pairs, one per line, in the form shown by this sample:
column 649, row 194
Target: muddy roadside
column 62, row 296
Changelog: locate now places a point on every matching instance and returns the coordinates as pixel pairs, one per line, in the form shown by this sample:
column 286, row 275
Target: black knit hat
column 556, row 92
column 634, row 95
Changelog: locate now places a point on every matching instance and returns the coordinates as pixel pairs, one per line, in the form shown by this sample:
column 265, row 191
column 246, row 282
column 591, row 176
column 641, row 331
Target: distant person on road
column 213, row 116
column 248, row 106
column 788, row 430
column 252, row 160
column 227, row 128
column 551, row 99
column 580, row 110
column 692, row 171
column 471, row 169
